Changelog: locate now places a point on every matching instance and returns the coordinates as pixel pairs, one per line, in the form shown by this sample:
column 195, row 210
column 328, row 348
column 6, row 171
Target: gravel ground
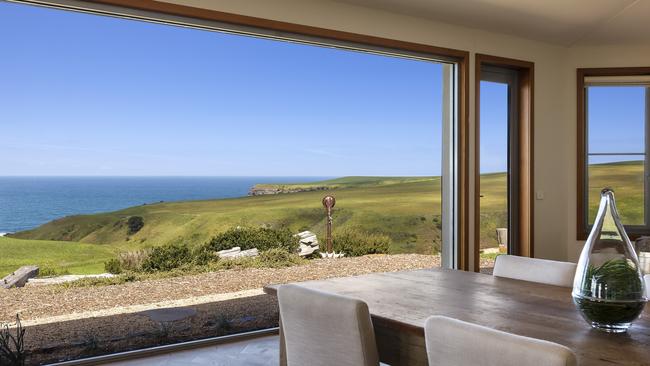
column 48, row 301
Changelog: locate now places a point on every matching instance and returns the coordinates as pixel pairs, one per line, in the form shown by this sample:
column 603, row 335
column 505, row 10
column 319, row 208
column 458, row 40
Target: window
column 504, row 159
column 613, row 139
column 497, row 143
column 143, row 149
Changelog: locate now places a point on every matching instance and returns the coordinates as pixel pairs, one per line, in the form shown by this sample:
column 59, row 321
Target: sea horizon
column 27, row 202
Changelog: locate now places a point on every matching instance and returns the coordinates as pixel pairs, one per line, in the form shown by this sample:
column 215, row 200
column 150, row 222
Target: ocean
column 28, row 202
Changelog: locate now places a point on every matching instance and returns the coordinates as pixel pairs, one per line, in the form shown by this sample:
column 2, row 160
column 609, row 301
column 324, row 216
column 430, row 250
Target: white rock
column 233, row 250
column 305, row 234
column 241, row 253
column 306, row 250
column 308, row 238
column 332, row 255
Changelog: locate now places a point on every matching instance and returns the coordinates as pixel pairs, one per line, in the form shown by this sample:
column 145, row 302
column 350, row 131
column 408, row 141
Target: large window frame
column 582, row 214
column 456, row 252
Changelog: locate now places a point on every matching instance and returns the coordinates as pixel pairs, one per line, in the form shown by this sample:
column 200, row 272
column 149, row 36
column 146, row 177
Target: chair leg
column 283, row 347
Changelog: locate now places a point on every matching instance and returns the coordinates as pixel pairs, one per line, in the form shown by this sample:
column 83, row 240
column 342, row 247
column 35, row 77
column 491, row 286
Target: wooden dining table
column 400, row 302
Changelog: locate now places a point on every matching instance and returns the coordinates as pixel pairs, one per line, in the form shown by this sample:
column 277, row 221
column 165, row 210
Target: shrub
column 202, row 256
column 50, row 271
column 167, row 257
column 356, row 243
column 235, row 263
column 250, row 237
column 134, row 223
column 133, row 260
column 12, row 344
column 113, row 266
column 278, row 257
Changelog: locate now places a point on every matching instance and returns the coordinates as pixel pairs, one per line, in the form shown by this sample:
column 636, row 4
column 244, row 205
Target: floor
column 251, row 352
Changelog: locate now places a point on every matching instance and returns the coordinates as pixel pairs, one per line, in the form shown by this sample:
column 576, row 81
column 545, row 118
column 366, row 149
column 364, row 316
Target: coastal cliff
column 260, row 190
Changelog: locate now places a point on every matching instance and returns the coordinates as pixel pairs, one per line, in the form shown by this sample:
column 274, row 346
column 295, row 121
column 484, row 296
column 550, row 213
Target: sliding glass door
column 498, row 162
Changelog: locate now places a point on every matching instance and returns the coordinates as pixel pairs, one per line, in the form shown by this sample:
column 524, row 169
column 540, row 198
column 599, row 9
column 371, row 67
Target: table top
column 404, row 300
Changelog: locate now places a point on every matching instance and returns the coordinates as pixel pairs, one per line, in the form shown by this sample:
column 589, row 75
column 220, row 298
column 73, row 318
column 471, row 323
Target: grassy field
column 405, row 208
column 494, row 207
column 627, row 180
column 77, row 258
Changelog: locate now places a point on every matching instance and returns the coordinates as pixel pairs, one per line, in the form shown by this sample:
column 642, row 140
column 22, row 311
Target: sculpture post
column 328, row 203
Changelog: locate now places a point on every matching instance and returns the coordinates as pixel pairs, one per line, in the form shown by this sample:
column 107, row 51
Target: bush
column 278, row 257
column 356, row 243
column 49, row 271
column 12, row 344
column 250, row 237
column 202, row 256
column 134, row 223
column 133, row 260
column 113, row 266
column 167, row 258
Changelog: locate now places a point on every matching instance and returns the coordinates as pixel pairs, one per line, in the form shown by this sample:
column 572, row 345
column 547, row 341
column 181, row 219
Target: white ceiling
column 563, row 22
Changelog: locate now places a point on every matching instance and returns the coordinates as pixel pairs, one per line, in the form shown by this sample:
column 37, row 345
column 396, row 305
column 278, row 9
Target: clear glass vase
column 608, row 288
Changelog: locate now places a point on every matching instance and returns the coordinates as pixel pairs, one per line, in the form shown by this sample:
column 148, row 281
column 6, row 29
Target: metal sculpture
column 328, row 203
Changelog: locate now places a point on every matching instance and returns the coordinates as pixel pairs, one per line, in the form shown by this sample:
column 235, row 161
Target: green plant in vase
column 608, row 288
column 614, row 308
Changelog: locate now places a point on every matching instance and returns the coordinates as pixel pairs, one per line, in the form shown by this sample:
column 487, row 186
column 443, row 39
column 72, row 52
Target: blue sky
column 90, row 95
column 616, row 122
column 494, row 127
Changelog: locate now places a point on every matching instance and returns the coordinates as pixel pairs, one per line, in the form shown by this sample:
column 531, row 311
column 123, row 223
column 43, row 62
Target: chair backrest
column 322, row 329
column 535, row 270
column 452, row 342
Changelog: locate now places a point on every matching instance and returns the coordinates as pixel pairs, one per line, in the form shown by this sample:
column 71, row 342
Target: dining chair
column 535, row 270
column 452, row 342
column 322, row 329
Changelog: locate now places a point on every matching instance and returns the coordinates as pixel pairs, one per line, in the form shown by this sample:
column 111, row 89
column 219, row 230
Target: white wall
column 555, row 135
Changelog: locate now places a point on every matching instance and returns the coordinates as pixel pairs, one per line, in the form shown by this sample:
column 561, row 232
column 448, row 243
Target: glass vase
column 608, row 288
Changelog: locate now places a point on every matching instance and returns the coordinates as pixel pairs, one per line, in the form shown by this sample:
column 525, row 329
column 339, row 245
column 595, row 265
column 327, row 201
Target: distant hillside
column 627, row 179
column 345, row 182
column 406, row 209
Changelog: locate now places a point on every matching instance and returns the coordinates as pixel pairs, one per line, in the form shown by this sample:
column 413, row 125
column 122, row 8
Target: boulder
column 308, row 243
column 306, row 250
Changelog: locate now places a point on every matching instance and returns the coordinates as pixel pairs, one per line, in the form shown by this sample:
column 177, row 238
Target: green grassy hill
column 627, row 180
column 405, row 208
column 77, row 258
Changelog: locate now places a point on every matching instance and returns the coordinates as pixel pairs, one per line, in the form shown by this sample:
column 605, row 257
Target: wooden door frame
column 460, row 57
column 526, row 75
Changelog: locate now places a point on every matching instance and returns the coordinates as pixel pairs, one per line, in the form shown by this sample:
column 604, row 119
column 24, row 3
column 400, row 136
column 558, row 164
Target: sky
column 87, row 95
column 616, row 118
column 494, row 127
column 91, row 95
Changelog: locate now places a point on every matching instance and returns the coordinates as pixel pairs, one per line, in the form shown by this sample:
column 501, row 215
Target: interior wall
column 583, row 57
column 554, row 136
